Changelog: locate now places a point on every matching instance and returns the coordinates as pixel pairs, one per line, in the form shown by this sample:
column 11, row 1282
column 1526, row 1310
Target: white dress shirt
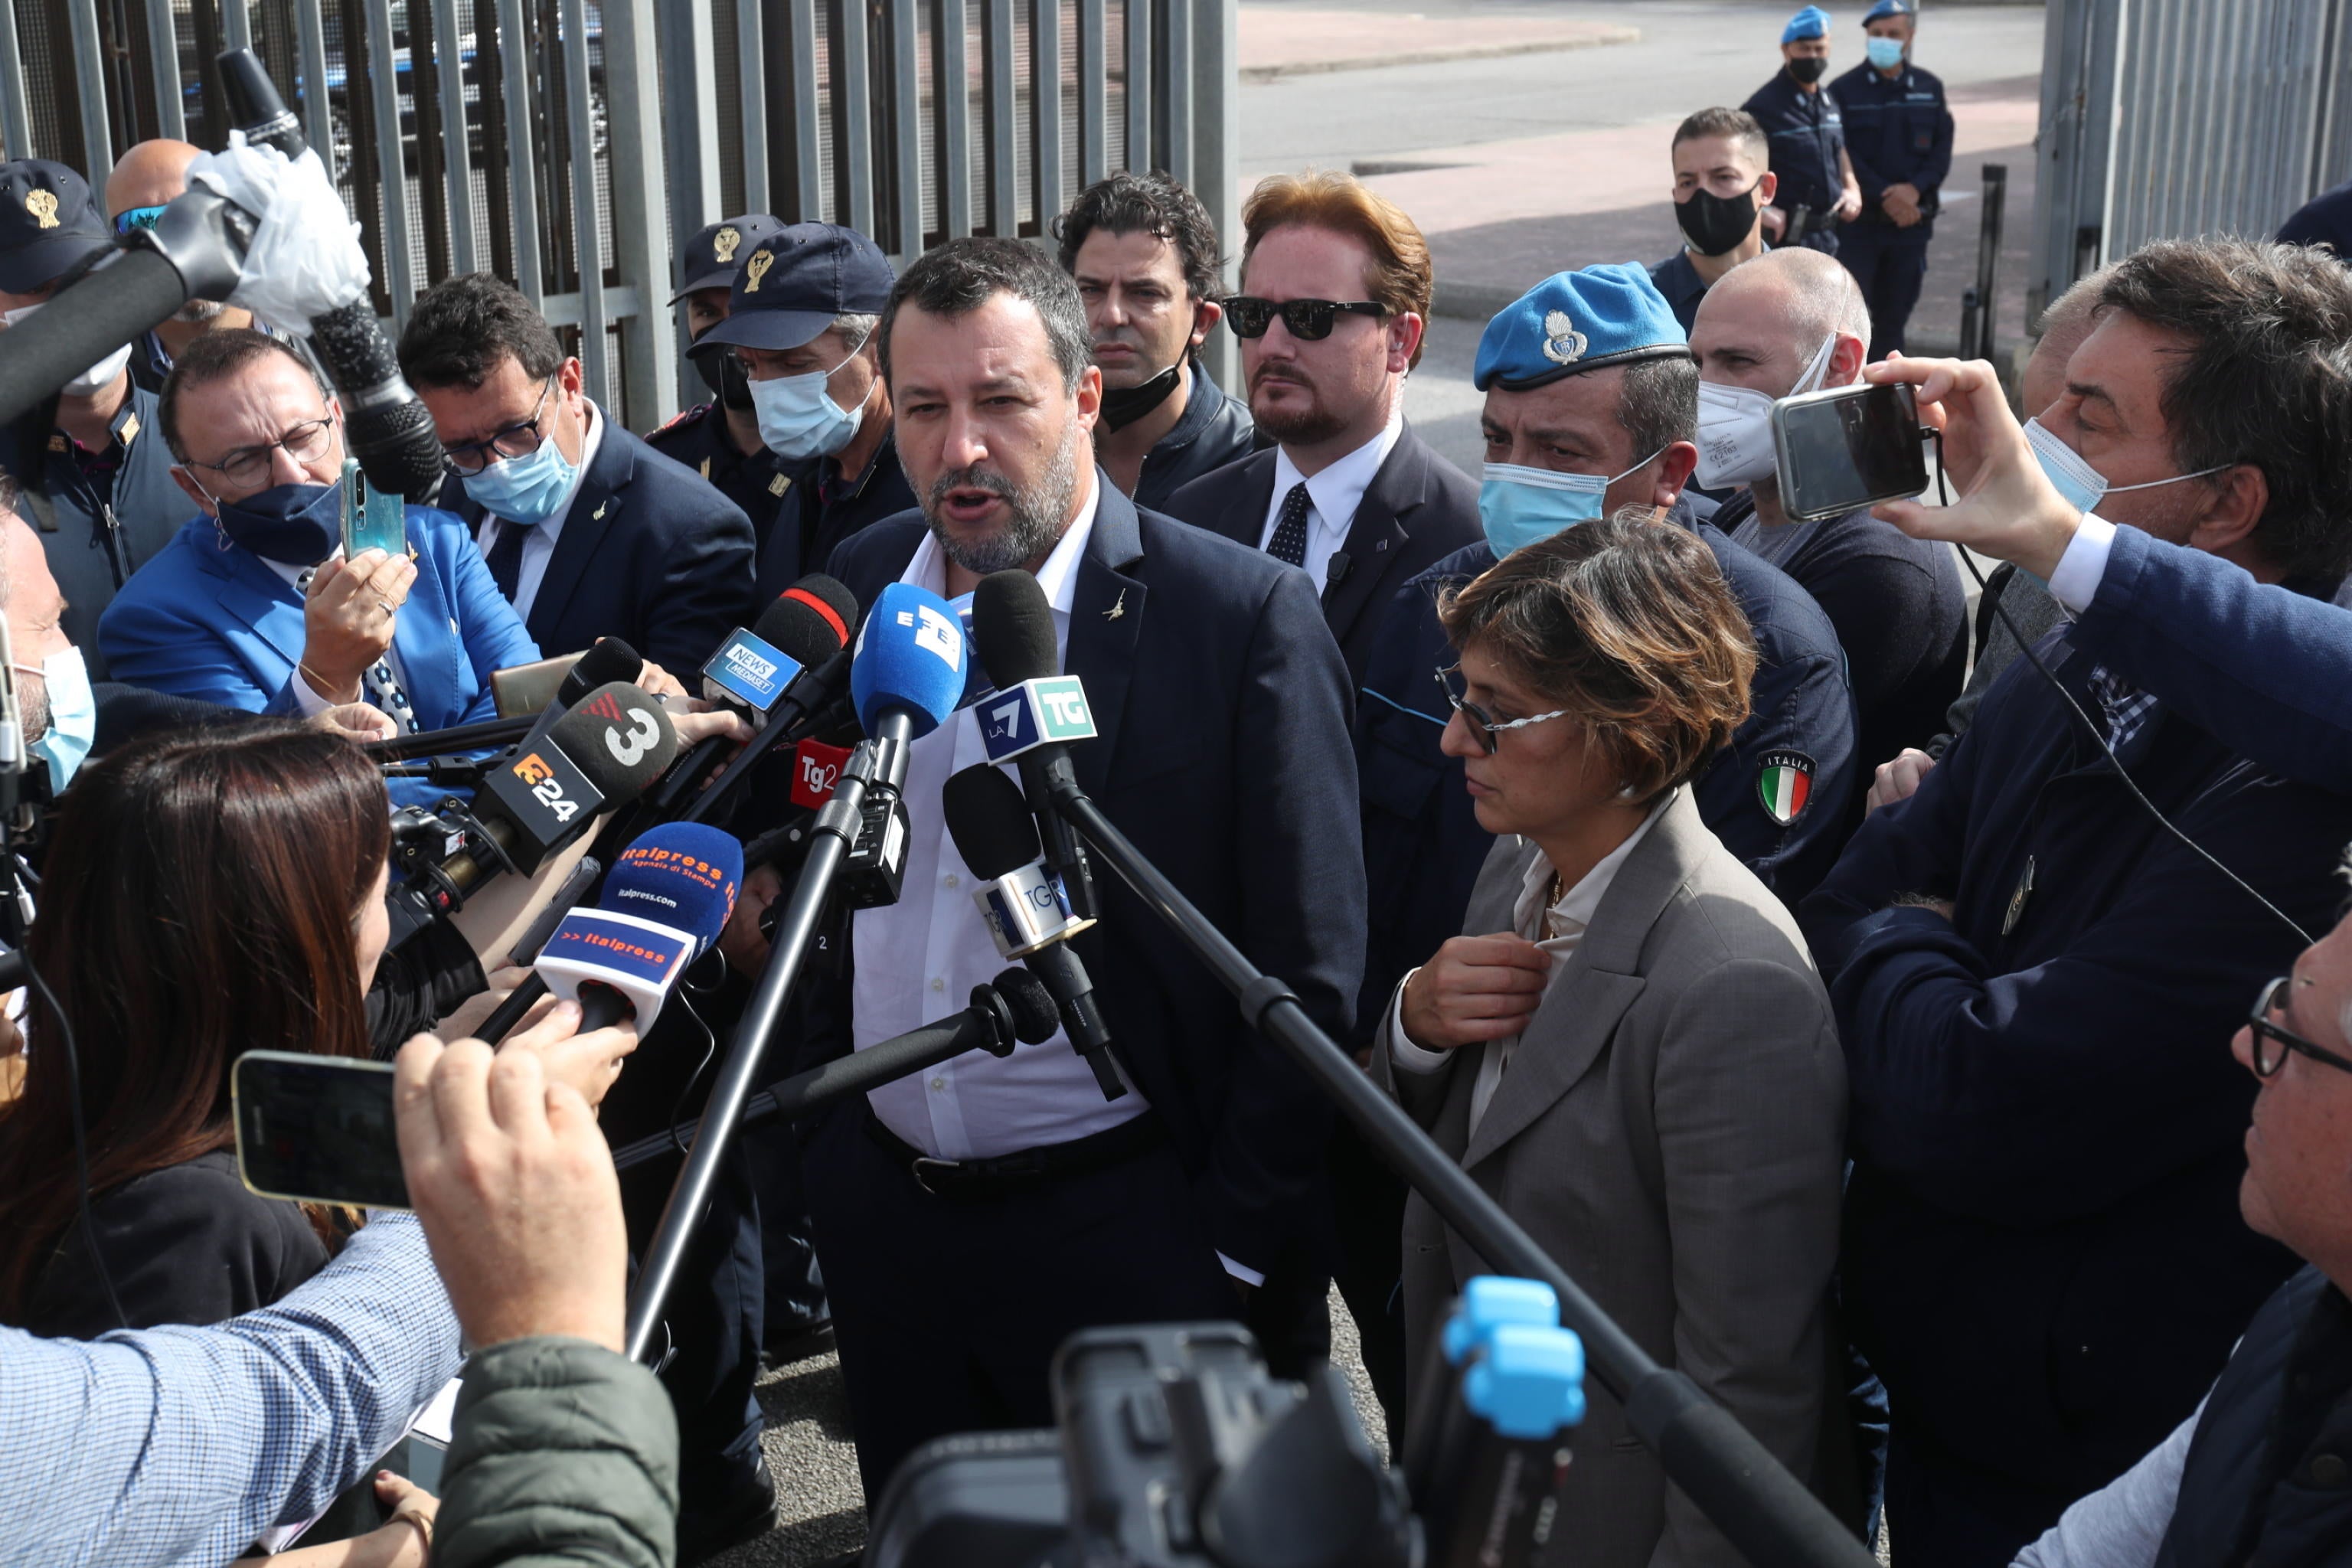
column 1332, row 495
column 918, row 960
column 539, row 543
column 306, row 701
column 1561, row 928
column 2075, row 581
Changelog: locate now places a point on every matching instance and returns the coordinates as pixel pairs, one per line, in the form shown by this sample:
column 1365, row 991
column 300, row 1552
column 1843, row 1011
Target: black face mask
column 1808, row 68
column 723, row 373
column 1714, row 223
column 1124, row 405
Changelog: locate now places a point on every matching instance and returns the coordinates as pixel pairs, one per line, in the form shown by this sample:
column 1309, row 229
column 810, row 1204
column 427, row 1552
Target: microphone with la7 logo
column 1048, row 711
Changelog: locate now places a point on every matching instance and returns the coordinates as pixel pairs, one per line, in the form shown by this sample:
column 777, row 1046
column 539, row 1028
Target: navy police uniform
column 1898, row 131
column 1806, row 132
column 103, row 514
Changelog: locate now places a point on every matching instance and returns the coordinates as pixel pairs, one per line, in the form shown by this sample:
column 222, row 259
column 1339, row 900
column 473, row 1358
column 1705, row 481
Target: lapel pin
column 600, row 505
column 1117, row 609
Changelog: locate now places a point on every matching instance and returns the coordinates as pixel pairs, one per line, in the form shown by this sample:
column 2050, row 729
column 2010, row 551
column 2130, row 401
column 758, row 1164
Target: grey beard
column 200, row 312
column 1039, row 512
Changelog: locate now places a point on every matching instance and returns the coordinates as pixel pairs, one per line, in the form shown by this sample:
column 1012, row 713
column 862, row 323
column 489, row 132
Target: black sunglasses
column 2272, row 1043
column 1309, row 321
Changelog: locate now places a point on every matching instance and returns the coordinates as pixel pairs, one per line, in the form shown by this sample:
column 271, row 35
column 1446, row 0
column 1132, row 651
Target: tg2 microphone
column 1026, row 912
column 666, row 902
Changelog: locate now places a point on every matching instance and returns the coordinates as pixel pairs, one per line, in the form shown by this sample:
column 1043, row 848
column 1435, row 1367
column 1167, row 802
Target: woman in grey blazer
column 1629, row 1046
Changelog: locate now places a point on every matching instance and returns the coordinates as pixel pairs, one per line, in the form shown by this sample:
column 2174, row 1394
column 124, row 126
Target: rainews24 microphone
column 668, row 897
column 1027, row 914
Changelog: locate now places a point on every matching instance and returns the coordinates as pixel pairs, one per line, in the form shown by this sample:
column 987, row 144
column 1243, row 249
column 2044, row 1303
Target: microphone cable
column 2097, row 731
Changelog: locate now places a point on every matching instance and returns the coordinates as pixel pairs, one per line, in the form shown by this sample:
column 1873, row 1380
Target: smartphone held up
column 1849, row 447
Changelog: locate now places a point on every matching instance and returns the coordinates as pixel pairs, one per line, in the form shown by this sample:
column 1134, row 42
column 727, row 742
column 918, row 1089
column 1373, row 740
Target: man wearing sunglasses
column 97, row 480
column 146, row 180
column 1336, row 284
column 588, row 532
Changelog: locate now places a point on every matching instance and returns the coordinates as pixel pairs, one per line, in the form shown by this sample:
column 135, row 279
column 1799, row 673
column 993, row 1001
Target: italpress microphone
column 666, row 902
column 1012, row 632
column 389, row 431
column 1027, row 914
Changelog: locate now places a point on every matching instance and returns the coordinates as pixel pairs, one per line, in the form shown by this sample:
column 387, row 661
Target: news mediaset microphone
column 791, row 664
column 667, row 899
column 1027, row 913
column 1012, row 632
column 906, row 677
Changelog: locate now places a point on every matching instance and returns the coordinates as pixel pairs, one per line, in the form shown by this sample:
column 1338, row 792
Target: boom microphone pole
column 906, row 676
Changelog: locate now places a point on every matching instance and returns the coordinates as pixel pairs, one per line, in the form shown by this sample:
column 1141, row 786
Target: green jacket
column 565, row 1456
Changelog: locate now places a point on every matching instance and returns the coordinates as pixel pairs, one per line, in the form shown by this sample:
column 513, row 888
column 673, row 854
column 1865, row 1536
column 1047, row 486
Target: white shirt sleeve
column 2122, row 1524
column 306, row 701
column 1401, row 1051
column 2074, row 582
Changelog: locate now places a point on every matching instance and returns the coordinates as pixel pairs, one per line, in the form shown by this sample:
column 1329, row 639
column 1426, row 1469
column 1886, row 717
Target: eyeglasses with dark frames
column 1483, row 727
column 2272, row 1041
column 306, row 443
column 1309, row 321
column 520, row 440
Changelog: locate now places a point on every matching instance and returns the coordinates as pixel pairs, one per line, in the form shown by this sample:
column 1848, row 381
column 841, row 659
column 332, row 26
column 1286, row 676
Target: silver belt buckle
column 922, row 1167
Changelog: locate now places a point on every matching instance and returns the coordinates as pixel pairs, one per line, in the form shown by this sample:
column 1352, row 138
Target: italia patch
column 1784, row 783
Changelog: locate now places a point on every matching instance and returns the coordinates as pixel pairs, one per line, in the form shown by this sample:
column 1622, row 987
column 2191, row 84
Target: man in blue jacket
column 2044, row 1260
column 588, row 532
column 252, row 605
column 1899, row 135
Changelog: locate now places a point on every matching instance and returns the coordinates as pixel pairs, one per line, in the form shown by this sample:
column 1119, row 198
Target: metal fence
column 2168, row 119
column 525, row 136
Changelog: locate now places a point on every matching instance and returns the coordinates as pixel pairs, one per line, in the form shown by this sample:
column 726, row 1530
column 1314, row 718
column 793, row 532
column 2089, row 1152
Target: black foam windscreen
column 1013, row 629
column 990, row 821
column 609, row 660
column 811, row 620
column 1034, row 1016
column 619, row 738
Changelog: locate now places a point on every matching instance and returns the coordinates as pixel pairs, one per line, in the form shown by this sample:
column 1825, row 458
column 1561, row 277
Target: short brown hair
column 1736, row 123
column 1627, row 624
column 1400, row 280
column 216, row 356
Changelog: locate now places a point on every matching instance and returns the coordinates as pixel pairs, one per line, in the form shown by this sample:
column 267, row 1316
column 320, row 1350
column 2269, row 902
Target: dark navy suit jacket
column 1220, row 706
column 650, row 552
column 1418, row 508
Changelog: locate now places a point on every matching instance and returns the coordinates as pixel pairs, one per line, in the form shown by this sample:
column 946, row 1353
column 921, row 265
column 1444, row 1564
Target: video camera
column 1175, row 1448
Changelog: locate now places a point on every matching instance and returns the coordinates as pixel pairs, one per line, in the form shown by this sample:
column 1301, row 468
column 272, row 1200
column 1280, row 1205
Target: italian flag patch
column 1784, row 783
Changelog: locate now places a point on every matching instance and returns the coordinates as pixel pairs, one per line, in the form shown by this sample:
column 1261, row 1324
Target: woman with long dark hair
column 206, row 894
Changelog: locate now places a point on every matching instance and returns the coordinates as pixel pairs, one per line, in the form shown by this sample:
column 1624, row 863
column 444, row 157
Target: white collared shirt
column 308, row 702
column 1333, row 495
column 1557, row 930
column 918, row 960
column 539, row 543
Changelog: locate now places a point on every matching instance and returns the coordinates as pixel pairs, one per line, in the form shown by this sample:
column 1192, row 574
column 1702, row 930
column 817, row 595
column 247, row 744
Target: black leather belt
column 1024, row 1169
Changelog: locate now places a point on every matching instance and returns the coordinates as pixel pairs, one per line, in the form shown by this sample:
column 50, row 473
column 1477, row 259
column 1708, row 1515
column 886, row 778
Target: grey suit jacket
column 1671, row 1130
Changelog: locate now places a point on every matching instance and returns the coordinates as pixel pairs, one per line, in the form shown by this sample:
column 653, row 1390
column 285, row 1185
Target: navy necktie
column 505, row 559
column 1289, row 543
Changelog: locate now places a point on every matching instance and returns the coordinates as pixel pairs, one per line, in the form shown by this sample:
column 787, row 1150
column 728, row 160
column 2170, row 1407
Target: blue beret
column 1889, row 8
column 1812, row 22
column 1573, row 321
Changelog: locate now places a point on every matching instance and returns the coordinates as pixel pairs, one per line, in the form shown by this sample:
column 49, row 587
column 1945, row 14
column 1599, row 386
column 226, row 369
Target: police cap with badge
column 715, row 255
column 49, row 223
column 1569, row 323
column 794, row 283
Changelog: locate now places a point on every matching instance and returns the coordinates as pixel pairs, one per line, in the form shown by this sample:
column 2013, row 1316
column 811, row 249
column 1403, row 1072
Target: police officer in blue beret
column 97, row 477
column 1899, row 140
column 720, row 439
column 1817, row 187
column 803, row 316
column 1591, row 405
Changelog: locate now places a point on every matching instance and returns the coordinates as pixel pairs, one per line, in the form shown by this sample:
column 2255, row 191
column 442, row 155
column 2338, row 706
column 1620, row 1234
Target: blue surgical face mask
column 2082, row 486
column 799, row 419
column 528, row 490
column 1885, row 54
column 1521, row 505
column 299, row 524
column 73, row 715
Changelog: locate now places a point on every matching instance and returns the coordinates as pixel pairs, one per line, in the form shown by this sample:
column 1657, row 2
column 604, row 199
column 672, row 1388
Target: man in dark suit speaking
column 1336, row 285
column 971, row 1218
column 589, row 532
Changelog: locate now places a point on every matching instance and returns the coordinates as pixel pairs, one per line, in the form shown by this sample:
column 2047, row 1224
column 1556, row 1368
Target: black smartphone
column 1848, row 447
column 317, row 1128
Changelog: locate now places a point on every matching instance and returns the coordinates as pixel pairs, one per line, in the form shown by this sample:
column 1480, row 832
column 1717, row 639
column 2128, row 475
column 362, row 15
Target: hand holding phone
column 1846, row 449
column 372, row 518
